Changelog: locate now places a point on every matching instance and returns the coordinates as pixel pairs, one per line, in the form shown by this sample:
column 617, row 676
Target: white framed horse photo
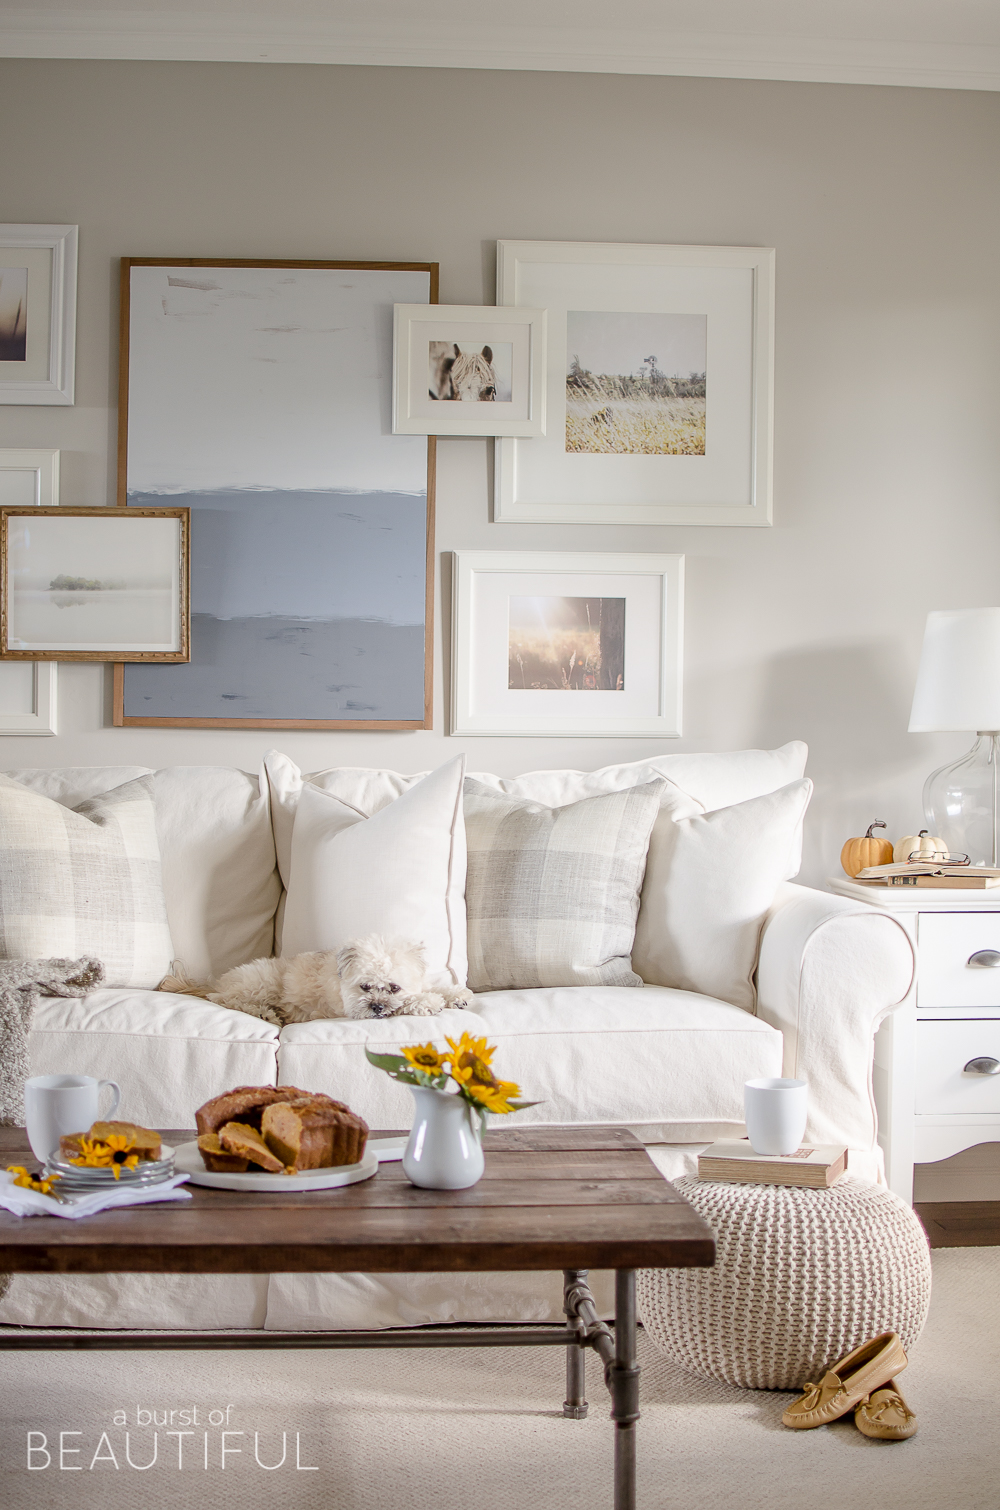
column 462, row 369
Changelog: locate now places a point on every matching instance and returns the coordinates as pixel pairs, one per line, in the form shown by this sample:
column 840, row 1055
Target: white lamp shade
column 958, row 683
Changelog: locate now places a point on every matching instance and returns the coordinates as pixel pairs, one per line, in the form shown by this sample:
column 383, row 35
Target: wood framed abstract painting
column 259, row 395
column 94, row 584
column 575, row 644
column 658, row 385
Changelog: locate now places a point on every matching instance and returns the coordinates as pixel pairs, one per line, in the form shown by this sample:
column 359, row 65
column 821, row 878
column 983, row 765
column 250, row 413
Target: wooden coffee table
column 573, row 1199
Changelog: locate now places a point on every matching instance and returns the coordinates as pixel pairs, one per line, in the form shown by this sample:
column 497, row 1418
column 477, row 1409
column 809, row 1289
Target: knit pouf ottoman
column 801, row 1277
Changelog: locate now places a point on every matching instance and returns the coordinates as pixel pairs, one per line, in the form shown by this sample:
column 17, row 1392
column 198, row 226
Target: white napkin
column 21, row 1202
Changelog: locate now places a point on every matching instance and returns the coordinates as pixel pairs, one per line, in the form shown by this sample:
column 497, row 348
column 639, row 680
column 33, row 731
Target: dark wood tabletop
column 551, row 1198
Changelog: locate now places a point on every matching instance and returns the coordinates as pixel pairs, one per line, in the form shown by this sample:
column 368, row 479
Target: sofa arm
column 830, row 969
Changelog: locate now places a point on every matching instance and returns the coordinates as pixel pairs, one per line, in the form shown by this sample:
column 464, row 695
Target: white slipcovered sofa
column 667, row 1061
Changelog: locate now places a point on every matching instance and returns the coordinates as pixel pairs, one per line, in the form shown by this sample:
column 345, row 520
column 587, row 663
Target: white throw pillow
column 400, row 872
column 710, row 880
column 553, row 893
column 220, row 881
column 84, row 880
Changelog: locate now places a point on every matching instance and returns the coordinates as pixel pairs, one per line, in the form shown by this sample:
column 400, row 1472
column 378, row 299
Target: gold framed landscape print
column 658, row 385
column 94, row 584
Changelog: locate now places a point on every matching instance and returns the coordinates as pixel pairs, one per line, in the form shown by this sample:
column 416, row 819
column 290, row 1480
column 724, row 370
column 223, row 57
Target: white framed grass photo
column 94, row 584
column 462, row 369
column 555, row 643
column 659, row 384
column 29, row 477
column 37, row 313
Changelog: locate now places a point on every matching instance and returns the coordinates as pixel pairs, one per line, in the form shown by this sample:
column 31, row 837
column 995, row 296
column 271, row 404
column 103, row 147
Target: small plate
column 147, row 1172
column 188, row 1160
column 387, row 1149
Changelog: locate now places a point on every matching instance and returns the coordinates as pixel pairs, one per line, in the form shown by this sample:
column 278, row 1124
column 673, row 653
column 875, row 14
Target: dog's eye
column 393, row 989
column 366, row 986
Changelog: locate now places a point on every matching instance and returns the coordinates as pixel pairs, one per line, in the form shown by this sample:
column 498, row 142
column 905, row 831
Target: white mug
column 57, row 1105
column 775, row 1112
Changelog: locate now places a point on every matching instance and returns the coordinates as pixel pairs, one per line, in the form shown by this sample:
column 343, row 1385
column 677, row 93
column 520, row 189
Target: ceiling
column 939, row 44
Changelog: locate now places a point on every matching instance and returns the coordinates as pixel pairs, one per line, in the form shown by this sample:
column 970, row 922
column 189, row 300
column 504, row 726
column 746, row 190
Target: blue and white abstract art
column 260, row 397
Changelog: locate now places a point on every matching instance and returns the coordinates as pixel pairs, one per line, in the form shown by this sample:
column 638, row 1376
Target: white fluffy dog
column 371, row 977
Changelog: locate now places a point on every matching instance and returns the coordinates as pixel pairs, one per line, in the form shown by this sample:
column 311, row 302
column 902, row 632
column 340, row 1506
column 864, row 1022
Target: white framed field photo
column 659, row 380
column 37, row 313
column 94, row 584
column 545, row 642
column 462, row 369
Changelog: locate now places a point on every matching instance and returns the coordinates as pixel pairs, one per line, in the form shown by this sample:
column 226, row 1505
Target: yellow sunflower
column 468, row 1045
column 495, row 1096
column 30, row 1181
column 424, row 1056
column 108, row 1153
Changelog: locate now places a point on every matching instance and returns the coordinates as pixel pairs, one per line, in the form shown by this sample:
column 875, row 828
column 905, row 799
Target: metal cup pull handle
column 988, row 959
column 984, row 1065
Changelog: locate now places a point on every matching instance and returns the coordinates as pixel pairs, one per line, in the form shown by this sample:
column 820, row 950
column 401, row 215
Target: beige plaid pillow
column 553, row 893
column 84, row 880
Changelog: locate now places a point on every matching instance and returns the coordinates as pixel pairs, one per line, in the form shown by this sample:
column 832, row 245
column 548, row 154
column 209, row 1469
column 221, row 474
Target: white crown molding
column 86, row 32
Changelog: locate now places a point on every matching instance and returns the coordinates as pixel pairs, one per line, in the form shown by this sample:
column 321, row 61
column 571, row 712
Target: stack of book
column 934, row 874
column 734, row 1160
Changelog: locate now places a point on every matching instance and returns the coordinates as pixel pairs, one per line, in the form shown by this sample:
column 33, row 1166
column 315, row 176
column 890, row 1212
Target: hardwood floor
column 960, row 1224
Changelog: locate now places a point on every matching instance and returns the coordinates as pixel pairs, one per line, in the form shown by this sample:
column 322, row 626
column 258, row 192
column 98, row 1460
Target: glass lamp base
column 960, row 801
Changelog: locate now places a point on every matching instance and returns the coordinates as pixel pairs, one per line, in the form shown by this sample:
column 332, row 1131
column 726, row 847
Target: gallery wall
column 884, row 207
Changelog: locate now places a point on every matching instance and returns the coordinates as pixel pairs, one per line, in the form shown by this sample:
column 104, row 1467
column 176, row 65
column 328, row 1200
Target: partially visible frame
column 28, row 698
column 135, row 610
column 464, row 369
column 665, row 415
column 37, row 313
column 29, row 478
column 567, row 644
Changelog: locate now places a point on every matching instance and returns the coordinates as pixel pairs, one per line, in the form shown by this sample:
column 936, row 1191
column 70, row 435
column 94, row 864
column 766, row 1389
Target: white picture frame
column 716, row 300
column 44, row 333
column 29, row 477
column 28, row 693
column 465, row 369
column 28, row 697
column 491, row 593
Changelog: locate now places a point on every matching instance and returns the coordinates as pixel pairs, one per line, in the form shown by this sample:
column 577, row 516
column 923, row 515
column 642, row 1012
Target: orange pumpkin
column 858, row 854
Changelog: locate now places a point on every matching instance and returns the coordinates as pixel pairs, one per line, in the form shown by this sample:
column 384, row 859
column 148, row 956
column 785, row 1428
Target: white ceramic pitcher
column 444, row 1150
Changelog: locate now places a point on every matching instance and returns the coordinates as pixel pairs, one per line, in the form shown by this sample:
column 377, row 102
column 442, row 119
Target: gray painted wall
column 884, row 207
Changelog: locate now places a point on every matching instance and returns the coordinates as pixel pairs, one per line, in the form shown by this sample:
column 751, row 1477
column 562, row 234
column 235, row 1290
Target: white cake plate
column 188, row 1160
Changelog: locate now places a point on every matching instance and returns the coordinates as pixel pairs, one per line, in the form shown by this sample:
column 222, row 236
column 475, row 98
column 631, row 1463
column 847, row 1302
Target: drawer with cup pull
column 959, row 959
column 958, row 1066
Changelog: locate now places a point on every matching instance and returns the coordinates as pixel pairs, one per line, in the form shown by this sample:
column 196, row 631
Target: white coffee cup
column 775, row 1112
column 56, row 1105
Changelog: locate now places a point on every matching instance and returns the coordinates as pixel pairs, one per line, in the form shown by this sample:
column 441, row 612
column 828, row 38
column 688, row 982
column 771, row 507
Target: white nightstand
column 937, row 1057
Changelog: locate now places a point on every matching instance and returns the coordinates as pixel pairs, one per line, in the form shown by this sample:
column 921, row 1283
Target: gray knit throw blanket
column 22, row 981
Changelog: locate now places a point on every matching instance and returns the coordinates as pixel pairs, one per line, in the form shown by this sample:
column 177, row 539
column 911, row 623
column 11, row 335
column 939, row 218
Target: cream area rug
column 415, row 1430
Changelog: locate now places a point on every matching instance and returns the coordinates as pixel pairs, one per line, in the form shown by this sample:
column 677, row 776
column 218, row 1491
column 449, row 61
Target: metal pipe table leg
column 623, row 1382
column 575, row 1403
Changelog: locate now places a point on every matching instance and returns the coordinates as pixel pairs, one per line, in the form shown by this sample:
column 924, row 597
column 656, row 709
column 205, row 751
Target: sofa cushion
column 220, row 883
column 656, row 1058
column 84, row 881
column 393, row 873
column 710, row 880
column 168, row 1053
column 552, row 893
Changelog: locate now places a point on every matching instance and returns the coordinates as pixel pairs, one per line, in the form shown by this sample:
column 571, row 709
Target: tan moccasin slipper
column 886, row 1415
column 848, row 1382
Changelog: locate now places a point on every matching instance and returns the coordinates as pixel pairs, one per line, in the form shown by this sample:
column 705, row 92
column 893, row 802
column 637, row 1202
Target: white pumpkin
column 922, row 846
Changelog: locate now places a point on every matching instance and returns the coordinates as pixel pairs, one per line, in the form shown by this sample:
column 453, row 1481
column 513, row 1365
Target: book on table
column 933, row 875
column 734, row 1160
